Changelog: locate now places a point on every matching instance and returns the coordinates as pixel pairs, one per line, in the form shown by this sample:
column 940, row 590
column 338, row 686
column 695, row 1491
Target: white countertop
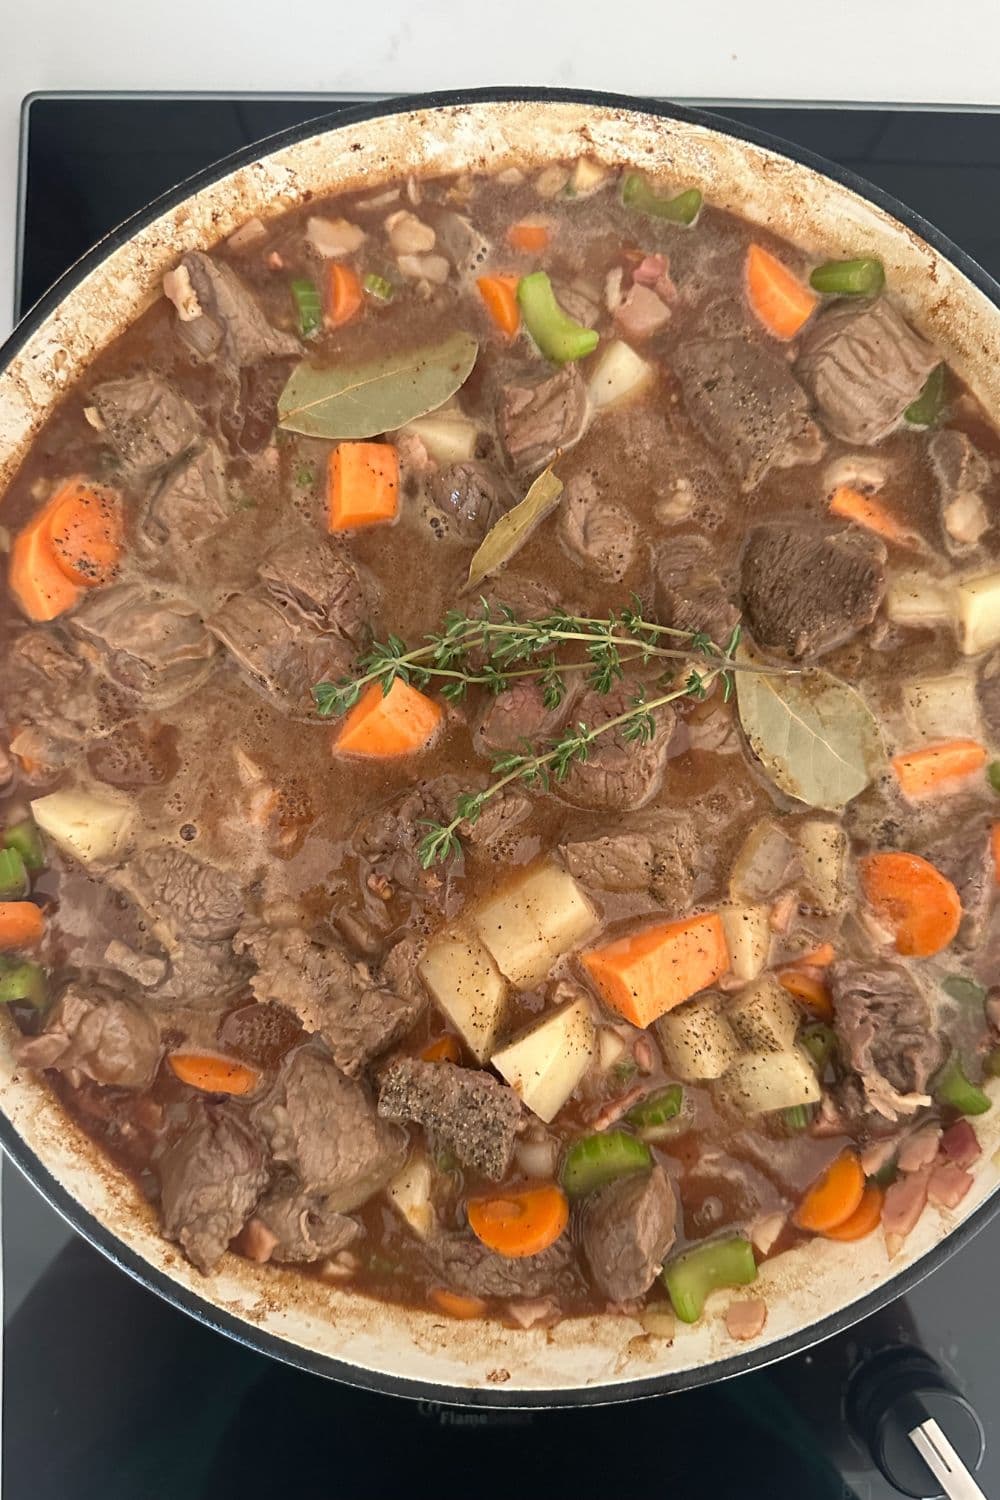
column 907, row 51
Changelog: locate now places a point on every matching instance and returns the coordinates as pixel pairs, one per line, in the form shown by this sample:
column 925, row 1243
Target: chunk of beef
column 152, row 644
column 498, row 822
column 147, row 422
column 324, row 1128
column 330, row 994
column 613, row 862
column 537, row 421
column 190, row 501
column 965, row 855
column 210, row 1179
column 289, row 1225
column 465, row 246
column 473, row 495
column 962, row 474
column 469, row 1112
column 516, row 717
column 862, row 364
column 278, row 650
column 231, row 321
column 805, row 590
column 596, row 532
column 388, row 841
column 52, row 688
column 745, row 400
column 201, row 976
column 883, row 1024
column 465, row 1265
column 319, row 580
column 98, row 1032
column 689, row 591
column 184, row 898
column 988, row 690
column 628, row 1227
column 617, row 774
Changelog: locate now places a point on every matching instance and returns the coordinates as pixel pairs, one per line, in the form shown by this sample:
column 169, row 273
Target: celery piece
column 558, row 336
column 597, row 1159
column 690, row 1278
column 849, row 278
column 683, row 208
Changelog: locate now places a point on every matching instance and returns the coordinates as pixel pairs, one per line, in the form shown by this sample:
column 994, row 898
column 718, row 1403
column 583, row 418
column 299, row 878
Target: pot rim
column 201, row 1307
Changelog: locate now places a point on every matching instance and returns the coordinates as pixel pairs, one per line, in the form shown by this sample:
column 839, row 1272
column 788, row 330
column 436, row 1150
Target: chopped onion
column 551, row 181
column 248, row 234
column 93, row 417
column 333, row 238
column 409, row 235
column 380, row 200
column 658, row 1319
column 528, row 1314
column 510, row 177
column 433, row 268
column 610, row 1048
column 965, row 519
column 764, row 1232
column 177, row 287
column 537, row 1158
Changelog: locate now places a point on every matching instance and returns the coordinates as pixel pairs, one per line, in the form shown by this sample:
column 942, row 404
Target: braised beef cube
column 883, row 1024
column 149, row 642
column 322, row 1126
column 467, row 1111
column 99, row 1032
column 806, row 590
column 538, row 420
column 745, row 400
column 281, row 652
column 473, row 495
column 148, row 423
column 963, row 477
column 231, row 321
column 318, row 579
column 466, row 1265
column 618, row 774
column 689, row 591
column 210, row 1179
column 189, row 503
column 515, row 718
column 290, row 1225
column 965, row 855
column 628, row 1227
column 595, row 532
column 863, row 365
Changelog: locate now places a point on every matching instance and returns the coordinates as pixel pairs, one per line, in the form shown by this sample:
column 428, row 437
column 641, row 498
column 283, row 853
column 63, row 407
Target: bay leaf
column 364, row 400
column 815, row 736
column 509, row 534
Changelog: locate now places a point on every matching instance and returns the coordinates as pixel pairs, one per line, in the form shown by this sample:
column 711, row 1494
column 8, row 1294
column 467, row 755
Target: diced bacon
column 960, row 1144
column 764, row 1232
column 948, row 1185
column 529, row 1314
column 904, row 1203
column 745, row 1319
column 613, row 1111
column 920, row 1149
column 654, row 271
column 257, row 1242
column 641, row 314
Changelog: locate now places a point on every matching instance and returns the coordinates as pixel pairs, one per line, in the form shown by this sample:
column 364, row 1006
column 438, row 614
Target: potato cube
column 467, row 986
column 529, row 924
column 545, row 1063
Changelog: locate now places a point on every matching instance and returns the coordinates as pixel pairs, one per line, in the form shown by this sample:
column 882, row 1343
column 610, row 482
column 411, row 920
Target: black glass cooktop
column 110, row 1393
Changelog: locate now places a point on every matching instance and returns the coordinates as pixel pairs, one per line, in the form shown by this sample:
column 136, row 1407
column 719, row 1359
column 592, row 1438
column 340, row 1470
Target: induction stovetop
column 111, row 1393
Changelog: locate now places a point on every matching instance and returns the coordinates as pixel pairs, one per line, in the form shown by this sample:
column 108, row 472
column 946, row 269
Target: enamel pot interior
column 811, row 1291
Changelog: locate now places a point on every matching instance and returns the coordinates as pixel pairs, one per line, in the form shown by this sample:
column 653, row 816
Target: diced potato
column 587, row 177
column 767, row 862
column 466, row 984
column 697, row 1040
column 531, row 923
column 823, row 849
column 610, row 1048
column 448, row 436
column 545, row 1063
column 943, row 708
column 748, row 937
column 410, row 1192
column 619, row 374
column 760, row 1082
column 918, row 599
column 977, row 609
column 764, row 1017
column 92, row 829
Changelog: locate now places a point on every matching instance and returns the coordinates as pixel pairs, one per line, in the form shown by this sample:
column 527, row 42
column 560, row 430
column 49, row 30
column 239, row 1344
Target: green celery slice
column 598, row 1159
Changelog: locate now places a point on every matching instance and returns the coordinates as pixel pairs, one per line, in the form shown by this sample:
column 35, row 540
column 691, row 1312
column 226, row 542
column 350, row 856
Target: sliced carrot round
column 864, row 1219
column 834, row 1197
column 37, row 581
column 444, row 1049
column 214, row 1073
column 808, row 989
column 776, row 294
column 530, row 238
column 938, row 768
column 22, row 925
column 87, row 531
column 908, row 894
column 523, row 1222
column 456, row 1304
column 500, row 296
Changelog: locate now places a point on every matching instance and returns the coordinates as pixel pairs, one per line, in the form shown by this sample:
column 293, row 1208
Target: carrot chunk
column 385, row 724
column 937, row 768
column 444, row 1049
column 532, row 239
column 777, row 296
column 834, row 1197
column 808, row 989
column 500, row 295
column 863, row 510
column 644, row 975
column 345, row 294
column 456, row 1304
column 213, row 1072
column 87, row 531
column 914, row 899
column 864, row 1219
column 363, row 487
column 22, row 925
column 520, row 1223
column 40, row 586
